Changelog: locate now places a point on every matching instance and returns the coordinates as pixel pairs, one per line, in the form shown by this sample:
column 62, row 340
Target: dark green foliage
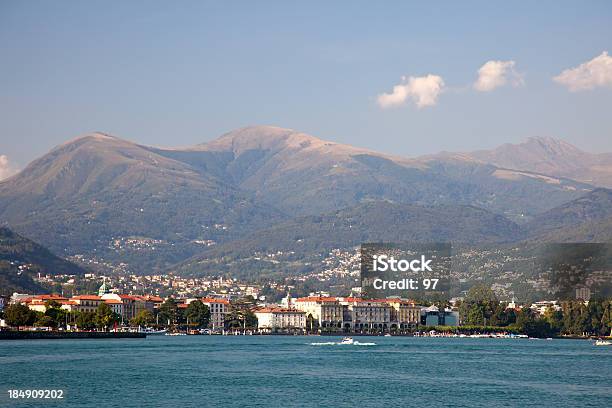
column 168, row 312
column 105, row 317
column 143, row 318
column 86, row 320
column 19, row 315
column 197, row 314
column 480, row 307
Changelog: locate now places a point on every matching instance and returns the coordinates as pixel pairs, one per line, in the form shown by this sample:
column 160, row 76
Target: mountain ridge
column 549, row 156
column 94, row 193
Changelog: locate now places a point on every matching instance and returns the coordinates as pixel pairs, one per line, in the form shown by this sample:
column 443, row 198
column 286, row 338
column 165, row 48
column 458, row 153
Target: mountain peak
column 551, row 145
column 95, row 137
column 269, row 138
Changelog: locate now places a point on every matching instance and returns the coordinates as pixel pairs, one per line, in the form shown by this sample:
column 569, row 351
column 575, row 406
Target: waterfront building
column 152, row 302
column 541, row 306
column 218, row 309
column 131, row 305
column 38, row 303
column 404, row 314
column 274, row 319
column 115, row 305
column 357, row 314
column 432, row 316
column 86, row 303
column 326, row 311
column 367, row 315
column 18, row 297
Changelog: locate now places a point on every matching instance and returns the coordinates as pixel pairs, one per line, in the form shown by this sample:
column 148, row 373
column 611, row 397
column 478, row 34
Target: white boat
column 387, row 335
column 347, row 340
column 151, row 331
column 603, row 343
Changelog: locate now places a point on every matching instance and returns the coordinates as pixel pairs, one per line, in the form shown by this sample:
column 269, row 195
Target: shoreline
column 54, row 335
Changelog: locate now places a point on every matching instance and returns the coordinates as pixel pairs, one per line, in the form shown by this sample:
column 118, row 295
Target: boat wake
column 332, row 343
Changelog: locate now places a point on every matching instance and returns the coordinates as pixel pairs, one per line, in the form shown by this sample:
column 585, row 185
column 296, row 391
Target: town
column 478, row 313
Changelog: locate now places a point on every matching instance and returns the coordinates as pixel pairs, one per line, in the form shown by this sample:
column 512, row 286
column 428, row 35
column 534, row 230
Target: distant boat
column 151, row 331
column 603, row 343
column 347, row 340
column 388, row 335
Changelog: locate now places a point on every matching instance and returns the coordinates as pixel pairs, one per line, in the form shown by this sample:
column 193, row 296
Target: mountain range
column 549, row 156
column 266, row 188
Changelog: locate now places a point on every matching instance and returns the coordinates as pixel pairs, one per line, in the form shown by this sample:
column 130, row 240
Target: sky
column 407, row 78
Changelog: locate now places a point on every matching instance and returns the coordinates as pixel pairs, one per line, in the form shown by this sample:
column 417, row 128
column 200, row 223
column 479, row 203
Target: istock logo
column 405, row 270
column 384, row 263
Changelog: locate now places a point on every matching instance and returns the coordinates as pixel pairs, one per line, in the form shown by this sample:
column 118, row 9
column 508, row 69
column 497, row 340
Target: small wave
column 328, row 343
column 358, row 343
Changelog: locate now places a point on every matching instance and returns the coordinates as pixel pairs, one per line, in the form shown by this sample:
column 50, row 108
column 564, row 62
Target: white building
column 272, row 319
column 327, row 311
column 219, row 308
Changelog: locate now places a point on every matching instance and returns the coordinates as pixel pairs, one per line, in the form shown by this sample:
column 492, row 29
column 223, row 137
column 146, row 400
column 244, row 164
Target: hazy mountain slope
column 21, row 259
column 306, row 238
column 553, row 157
column 149, row 207
column 584, row 213
column 90, row 190
column 589, row 231
column 304, row 175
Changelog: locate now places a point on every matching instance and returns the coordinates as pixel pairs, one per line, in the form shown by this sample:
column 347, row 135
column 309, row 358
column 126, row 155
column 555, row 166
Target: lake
column 281, row 371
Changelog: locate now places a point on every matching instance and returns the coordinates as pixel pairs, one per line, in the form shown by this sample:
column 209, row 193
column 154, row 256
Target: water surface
column 281, row 371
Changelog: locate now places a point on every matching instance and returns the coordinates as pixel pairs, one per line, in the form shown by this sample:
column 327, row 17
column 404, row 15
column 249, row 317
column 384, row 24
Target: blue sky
column 180, row 74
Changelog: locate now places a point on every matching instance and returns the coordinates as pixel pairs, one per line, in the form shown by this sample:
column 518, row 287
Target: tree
column 86, row 320
column 168, row 312
column 250, row 319
column 500, row 316
column 56, row 313
column 554, row 318
column 536, row 328
column 105, row 316
column 606, row 319
column 143, row 318
column 197, row 314
column 241, row 314
column 44, row 321
column 19, row 315
column 478, row 306
column 595, row 312
column 524, row 316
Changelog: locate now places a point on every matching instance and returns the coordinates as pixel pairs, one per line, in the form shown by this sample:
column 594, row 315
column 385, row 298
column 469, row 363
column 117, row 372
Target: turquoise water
column 280, row 371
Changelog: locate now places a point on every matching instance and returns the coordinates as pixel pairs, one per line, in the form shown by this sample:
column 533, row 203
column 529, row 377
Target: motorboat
column 151, row 331
column 603, row 343
column 347, row 340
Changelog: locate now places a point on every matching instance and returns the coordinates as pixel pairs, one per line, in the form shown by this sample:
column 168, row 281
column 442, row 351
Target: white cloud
column 591, row 74
column 424, row 91
column 494, row 74
column 6, row 170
